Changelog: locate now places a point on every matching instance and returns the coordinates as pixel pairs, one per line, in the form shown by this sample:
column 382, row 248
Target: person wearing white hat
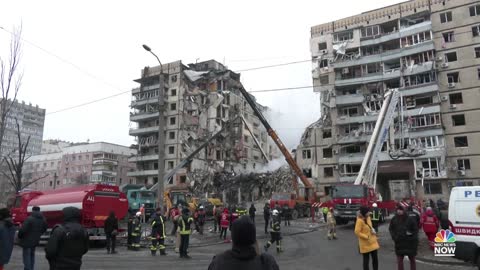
column 136, row 231
column 376, row 216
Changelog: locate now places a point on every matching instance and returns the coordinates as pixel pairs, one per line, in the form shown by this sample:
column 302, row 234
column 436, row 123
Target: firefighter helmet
column 275, row 212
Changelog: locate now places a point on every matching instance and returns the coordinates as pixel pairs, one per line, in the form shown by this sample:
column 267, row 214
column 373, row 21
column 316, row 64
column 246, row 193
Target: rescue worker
column 331, row 225
column 142, row 211
column 130, row 230
column 136, row 231
column 252, row 212
column 184, row 223
column 241, row 211
column 233, row 216
column 158, row 233
column 200, row 219
column 173, row 214
column 218, row 216
column 430, row 225
column 266, row 216
column 325, row 212
column 275, row 232
column 376, row 216
column 286, row 214
column 224, row 224
column 215, row 221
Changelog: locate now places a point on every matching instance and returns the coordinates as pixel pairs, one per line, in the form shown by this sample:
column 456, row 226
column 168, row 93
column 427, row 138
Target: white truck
column 464, row 215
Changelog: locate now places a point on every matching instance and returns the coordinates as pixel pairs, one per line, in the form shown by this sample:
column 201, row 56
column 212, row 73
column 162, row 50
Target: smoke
column 272, row 165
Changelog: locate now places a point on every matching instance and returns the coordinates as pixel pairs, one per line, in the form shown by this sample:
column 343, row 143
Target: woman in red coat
column 430, row 225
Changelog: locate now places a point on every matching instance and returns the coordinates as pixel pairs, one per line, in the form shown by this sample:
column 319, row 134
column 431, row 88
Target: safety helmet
column 374, row 205
column 138, row 214
column 201, row 206
column 275, row 212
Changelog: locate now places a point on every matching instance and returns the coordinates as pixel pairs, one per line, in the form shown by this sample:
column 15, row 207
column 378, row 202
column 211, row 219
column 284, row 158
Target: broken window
column 458, row 120
column 476, row 31
column 352, row 149
column 429, row 168
column 371, row 50
column 461, row 141
column 323, row 63
column 322, row 46
column 446, row 17
column 369, row 31
column 416, row 39
column 327, row 133
column 453, row 77
column 183, row 179
column 173, row 78
column 432, row 188
column 324, row 80
column 456, row 98
column 245, row 138
column 426, row 120
column 173, row 92
column 218, row 155
column 463, row 164
column 170, row 164
column 451, row 57
column 343, row 36
column 155, row 166
column 372, row 68
column 352, row 111
column 448, row 37
column 424, row 100
column 328, row 172
column 429, row 142
column 307, row 154
column 374, row 106
column 351, row 169
column 307, row 172
column 327, row 153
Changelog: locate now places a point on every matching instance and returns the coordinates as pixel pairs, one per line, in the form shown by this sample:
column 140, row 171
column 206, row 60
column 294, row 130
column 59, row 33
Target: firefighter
column 275, row 232
column 241, row 211
column 331, row 225
column 325, row 212
column 158, row 233
column 200, row 219
column 376, row 216
column 286, row 214
column 184, row 223
column 136, row 231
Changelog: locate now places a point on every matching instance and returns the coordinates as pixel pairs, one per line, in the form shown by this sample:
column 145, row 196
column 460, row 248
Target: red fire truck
column 94, row 201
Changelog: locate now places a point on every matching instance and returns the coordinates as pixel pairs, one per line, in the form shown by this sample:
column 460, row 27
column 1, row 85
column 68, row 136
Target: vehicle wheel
column 294, row 214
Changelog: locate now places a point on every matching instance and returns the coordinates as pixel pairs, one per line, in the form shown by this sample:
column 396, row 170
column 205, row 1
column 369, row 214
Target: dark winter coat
column 111, row 224
column 404, row 232
column 252, row 210
column 7, row 235
column 241, row 258
column 68, row 243
column 266, row 212
column 32, row 229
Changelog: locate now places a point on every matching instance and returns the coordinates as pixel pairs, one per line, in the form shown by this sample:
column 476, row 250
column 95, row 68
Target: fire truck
column 347, row 198
column 94, row 201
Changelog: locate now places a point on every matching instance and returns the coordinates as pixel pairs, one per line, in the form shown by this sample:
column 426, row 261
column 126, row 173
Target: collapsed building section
column 200, row 100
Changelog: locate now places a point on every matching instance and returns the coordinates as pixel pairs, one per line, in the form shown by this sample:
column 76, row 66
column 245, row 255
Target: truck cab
column 347, row 200
column 138, row 197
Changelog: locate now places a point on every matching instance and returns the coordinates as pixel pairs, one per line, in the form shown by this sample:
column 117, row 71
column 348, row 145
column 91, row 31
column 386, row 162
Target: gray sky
column 103, row 40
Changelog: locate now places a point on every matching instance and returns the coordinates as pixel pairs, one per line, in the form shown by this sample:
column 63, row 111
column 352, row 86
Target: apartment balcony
column 343, row 120
column 376, row 77
column 349, row 99
column 428, row 45
column 348, row 178
column 141, row 102
column 419, row 68
column 104, row 172
column 143, row 158
column 422, row 111
column 407, row 31
column 351, row 139
column 103, row 161
column 143, row 173
column 354, row 139
column 419, row 89
column 142, row 131
column 351, row 158
column 144, row 116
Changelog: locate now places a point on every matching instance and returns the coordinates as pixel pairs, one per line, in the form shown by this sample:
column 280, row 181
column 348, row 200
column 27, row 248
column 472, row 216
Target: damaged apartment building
column 430, row 51
column 200, row 100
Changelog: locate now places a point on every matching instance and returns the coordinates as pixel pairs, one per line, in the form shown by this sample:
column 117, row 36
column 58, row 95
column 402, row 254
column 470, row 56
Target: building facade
column 426, row 49
column 31, row 120
column 79, row 164
column 200, row 100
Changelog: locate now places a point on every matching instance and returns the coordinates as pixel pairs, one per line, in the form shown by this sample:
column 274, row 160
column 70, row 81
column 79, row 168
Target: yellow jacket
column 367, row 241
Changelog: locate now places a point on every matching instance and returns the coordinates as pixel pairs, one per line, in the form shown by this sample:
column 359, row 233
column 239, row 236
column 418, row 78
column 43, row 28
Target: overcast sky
column 102, row 39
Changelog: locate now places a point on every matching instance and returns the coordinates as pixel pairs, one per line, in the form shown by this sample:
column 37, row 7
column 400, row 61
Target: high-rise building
column 430, row 51
column 200, row 100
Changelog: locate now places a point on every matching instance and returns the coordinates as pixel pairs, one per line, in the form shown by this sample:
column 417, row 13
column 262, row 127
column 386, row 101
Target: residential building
column 200, row 100
column 54, row 146
column 427, row 50
column 31, row 120
column 82, row 163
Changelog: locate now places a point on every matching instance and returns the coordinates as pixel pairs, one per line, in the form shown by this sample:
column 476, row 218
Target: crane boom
column 288, row 157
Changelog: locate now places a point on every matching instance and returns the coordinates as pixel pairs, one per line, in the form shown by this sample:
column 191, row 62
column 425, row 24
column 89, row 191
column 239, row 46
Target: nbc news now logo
column 445, row 243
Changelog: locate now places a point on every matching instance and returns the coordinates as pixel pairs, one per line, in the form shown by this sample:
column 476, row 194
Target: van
column 464, row 215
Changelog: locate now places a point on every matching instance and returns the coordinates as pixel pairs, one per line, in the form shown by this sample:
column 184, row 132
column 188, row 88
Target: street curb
column 459, row 263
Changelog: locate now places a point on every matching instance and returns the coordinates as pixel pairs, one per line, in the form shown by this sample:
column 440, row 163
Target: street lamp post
column 161, row 134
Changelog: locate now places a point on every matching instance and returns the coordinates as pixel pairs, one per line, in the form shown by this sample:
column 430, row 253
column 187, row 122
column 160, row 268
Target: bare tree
column 10, row 79
column 15, row 162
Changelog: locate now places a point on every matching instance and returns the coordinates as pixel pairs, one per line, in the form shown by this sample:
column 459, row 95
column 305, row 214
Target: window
column 174, row 78
column 322, row 46
column 351, row 169
column 461, row 141
column 476, row 30
column 344, row 36
column 172, row 120
column 478, row 73
column 306, row 172
column 328, row 172
column 324, row 79
column 327, row 153
column 350, row 111
column 369, row 31
column 446, row 17
column 423, row 101
column 352, row 149
column 323, row 63
column 474, row 10
column 451, row 57
column 170, row 165
column 458, row 120
column 433, row 188
column 245, row 138
column 327, row 133
column 173, row 92
column 171, row 149
column 456, row 98
column 477, row 52
column 171, row 135
column 453, row 77
column 463, row 164
column 307, row 154
column 51, row 183
column 430, row 142
column 173, row 106
column 448, row 37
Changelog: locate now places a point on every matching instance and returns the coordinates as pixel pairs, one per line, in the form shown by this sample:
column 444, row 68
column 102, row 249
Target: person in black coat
column 244, row 253
column 7, row 236
column 68, row 242
column 29, row 234
column 111, row 231
column 404, row 232
column 266, row 216
column 251, row 212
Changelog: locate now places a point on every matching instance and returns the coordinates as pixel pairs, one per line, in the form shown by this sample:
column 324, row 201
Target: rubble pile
column 260, row 186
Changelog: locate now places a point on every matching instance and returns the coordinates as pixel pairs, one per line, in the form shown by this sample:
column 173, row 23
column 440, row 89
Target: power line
column 276, row 65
